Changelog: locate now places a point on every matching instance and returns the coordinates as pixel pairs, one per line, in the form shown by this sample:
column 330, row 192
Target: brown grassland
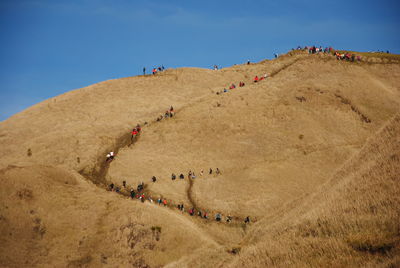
column 311, row 154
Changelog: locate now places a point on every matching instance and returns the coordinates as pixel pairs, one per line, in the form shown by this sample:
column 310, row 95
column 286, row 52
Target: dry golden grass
column 351, row 221
column 295, row 151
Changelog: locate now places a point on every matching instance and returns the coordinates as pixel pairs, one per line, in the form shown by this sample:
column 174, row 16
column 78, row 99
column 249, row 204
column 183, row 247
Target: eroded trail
column 99, row 172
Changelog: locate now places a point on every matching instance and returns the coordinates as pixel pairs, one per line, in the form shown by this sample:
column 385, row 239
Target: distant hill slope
column 294, row 150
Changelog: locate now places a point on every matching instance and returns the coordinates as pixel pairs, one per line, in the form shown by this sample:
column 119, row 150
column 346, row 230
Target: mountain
column 310, row 154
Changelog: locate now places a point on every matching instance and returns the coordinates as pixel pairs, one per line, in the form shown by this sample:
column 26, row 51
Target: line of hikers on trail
column 192, row 175
column 141, row 196
column 136, row 131
column 168, row 114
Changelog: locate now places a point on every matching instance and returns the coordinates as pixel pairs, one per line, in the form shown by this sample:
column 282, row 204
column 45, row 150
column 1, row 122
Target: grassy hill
column 311, row 154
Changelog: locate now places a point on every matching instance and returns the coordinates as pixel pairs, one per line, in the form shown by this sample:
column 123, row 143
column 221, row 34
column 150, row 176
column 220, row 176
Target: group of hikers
column 347, row 56
column 232, row 86
column 155, row 69
column 168, row 114
column 141, row 196
column 258, row 79
column 242, row 84
column 192, row 175
column 315, row 49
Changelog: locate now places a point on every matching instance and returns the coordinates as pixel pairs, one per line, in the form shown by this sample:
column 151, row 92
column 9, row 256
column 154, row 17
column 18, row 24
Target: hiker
column 205, row 216
column 134, row 133
column 191, row 211
column 190, row 174
column 228, row 219
column 140, row 187
column 154, row 179
column 256, row 79
column 138, row 128
column 132, row 193
column 218, row 217
column 241, row 84
column 248, row 62
column 165, row 202
column 182, row 208
column 159, row 201
column 117, row 189
column 142, row 197
column 111, row 186
column 110, row 156
column 247, row 219
column 181, row 176
column 199, row 213
column 210, row 171
column 265, row 75
column 193, row 175
column 144, row 70
column 124, row 184
column 232, row 86
column 162, row 68
column 173, row 177
column 201, row 173
column 217, row 171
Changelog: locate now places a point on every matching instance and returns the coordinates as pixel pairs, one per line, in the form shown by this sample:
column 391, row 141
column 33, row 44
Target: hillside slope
column 283, row 147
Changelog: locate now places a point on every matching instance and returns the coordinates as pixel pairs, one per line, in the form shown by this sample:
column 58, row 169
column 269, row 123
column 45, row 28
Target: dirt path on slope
column 99, row 172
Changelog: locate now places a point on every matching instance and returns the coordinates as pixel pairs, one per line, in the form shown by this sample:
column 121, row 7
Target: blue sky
column 48, row 47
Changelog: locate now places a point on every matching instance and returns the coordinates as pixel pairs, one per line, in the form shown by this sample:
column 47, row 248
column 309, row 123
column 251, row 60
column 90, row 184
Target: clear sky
column 48, row 47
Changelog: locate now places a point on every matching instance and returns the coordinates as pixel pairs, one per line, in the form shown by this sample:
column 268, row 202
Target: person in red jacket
column 134, row 133
column 256, row 79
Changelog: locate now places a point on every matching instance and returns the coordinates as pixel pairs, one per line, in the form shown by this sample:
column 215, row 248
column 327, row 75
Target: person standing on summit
column 144, row 70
